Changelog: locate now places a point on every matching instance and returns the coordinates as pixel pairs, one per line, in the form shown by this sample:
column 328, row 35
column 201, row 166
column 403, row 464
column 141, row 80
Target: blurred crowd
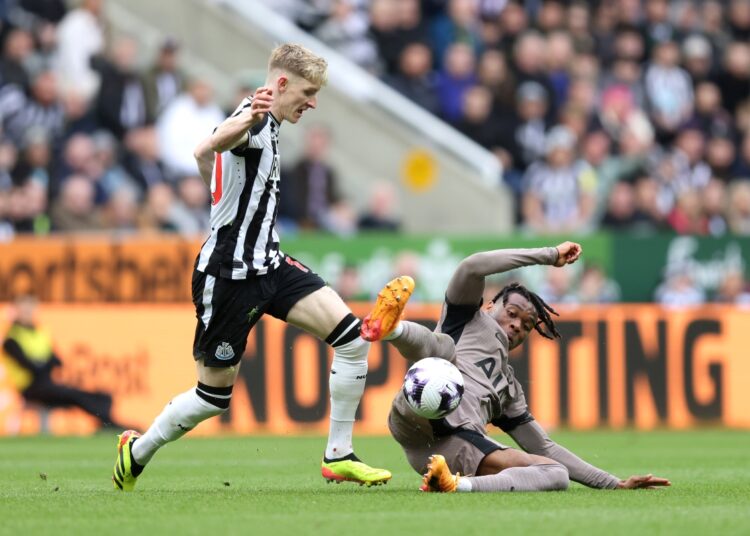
column 91, row 139
column 619, row 114
column 96, row 137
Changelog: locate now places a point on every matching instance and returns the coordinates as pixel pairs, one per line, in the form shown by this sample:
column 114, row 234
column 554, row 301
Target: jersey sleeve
column 455, row 317
column 251, row 141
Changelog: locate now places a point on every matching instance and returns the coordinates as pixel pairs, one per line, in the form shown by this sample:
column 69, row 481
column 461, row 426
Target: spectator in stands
column 164, row 80
column 80, row 35
column 697, row 57
column 27, row 205
column 348, row 285
column 721, row 154
column 527, row 132
column 557, row 287
column 75, row 210
column 7, row 230
column 623, row 213
column 714, row 199
column 311, row 184
column 529, row 65
column 454, row 79
column 30, row 360
column 384, row 23
column 120, row 213
column 15, row 62
column 158, row 213
column 194, row 196
column 494, row 74
column 734, row 79
column 35, row 159
column 110, row 176
column 559, row 193
column 381, row 209
column 669, row 90
column 687, row 216
column 595, row 287
column 42, row 109
column 121, row 100
column 679, row 290
column 558, row 58
column 733, row 289
column 459, row 24
column 415, row 78
column 709, row 116
column 346, row 29
column 742, row 166
column 182, row 124
column 477, row 121
column 141, row 160
column 739, row 208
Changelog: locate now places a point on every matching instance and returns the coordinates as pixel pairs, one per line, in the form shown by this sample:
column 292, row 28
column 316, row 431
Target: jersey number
column 216, row 191
column 488, row 367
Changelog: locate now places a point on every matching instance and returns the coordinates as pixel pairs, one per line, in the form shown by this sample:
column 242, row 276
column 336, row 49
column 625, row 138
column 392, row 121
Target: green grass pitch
column 271, row 485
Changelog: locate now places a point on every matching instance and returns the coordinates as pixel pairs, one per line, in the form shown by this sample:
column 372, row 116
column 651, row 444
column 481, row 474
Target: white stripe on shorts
column 208, row 294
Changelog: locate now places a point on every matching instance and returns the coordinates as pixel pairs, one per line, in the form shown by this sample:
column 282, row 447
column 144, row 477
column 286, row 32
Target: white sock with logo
column 181, row 415
column 347, row 384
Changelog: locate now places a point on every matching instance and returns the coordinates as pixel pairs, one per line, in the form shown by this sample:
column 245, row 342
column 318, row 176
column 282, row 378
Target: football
column 433, row 387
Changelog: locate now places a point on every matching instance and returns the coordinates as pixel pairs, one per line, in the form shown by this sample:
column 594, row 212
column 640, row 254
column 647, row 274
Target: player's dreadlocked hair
column 543, row 310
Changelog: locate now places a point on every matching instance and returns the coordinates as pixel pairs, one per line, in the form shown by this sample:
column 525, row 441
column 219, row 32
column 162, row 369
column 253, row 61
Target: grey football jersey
column 491, row 392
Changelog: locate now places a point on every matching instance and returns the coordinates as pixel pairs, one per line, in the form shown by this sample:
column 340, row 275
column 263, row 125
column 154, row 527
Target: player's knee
column 558, row 476
column 216, row 399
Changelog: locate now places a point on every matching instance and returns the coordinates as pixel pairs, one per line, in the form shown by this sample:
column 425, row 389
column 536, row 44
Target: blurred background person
column 30, row 360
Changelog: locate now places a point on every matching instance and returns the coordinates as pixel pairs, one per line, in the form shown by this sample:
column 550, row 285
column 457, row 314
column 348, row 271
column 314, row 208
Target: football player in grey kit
column 477, row 340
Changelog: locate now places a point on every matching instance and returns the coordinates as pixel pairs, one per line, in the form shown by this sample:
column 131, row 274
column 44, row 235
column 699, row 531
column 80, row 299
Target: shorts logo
column 224, row 351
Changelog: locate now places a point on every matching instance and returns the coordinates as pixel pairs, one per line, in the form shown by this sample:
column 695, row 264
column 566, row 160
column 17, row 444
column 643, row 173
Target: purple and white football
column 433, row 387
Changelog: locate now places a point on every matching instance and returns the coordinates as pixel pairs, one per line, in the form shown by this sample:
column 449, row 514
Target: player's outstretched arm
column 204, row 157
column 532, row 438
column 233, row 132
column 467, row 284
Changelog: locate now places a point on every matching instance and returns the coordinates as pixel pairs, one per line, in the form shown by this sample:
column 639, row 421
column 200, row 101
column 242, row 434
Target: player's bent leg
column 500, row 460
column 324, row 314
column 181, row 415
column 416, row 342
column 388, row 309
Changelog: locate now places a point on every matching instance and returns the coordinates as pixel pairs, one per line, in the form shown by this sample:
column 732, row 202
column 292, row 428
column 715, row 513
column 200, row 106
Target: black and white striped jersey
column 244, row 205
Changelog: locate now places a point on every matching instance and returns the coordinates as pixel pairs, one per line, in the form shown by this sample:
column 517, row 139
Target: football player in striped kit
column 241, row 274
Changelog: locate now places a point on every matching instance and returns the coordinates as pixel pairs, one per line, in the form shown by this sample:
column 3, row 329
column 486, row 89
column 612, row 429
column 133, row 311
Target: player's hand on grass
column 643, row 482
column 262, row 101
column 568, row 253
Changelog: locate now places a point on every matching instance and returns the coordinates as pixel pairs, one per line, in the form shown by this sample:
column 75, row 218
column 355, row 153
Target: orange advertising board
column 616, row 366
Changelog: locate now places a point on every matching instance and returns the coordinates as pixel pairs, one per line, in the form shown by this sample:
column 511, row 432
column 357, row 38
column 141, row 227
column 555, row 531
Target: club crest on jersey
column 224, row 351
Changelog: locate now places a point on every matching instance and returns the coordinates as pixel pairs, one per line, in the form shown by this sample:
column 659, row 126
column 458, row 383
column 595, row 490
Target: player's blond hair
column 300, row 61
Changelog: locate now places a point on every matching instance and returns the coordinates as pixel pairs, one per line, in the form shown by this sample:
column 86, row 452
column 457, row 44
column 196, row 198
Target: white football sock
column 396, row 333
column 538, row 477
column 347, row 384
column 181, row 415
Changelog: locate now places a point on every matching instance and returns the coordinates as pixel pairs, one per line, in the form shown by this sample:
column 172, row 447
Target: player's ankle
column 396, row 333
column 463, row 484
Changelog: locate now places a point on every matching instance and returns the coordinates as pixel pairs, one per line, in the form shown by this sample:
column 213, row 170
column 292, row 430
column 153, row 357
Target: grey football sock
column 541, row 477
column 417, row 342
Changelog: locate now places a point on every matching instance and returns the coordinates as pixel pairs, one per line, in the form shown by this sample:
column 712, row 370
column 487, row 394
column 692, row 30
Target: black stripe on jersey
column 226, row 241
column 242, row 150
column 253, row 230
column 244, row 106
column 272, row 246
column 508, row 424
column 456, row 318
